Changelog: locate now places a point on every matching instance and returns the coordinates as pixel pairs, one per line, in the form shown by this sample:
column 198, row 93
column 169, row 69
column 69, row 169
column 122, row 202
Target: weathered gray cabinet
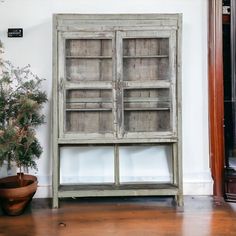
column 117, row 80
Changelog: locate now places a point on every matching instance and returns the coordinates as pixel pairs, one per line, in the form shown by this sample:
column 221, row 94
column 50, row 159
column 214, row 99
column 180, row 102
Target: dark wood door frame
column 216, row 96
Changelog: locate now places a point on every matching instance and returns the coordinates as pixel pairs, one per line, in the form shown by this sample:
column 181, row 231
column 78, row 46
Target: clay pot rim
column 19, row 191
column 12, row 177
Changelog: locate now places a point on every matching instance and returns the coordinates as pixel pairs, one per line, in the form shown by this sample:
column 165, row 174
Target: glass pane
column 89, row 47
column 89, row 122
column 89, row 111
column 89, row 60
column 146, row 98
column 147, row 110
column 83, row 164
column 147, row 121
column 89, row 98
column 146, row 164
column 146, row 47
column 146, row 59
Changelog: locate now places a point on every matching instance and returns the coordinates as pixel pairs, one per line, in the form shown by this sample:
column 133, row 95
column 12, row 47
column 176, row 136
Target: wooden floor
column 123, row 216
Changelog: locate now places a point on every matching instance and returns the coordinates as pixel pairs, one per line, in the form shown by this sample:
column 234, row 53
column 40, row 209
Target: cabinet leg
column 179, row 200
column 55, row 202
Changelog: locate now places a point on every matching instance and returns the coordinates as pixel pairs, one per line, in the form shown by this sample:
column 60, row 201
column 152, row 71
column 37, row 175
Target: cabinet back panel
column 147, row 121
column 89, row 69
column 156, row 64
column 89, row 93
column 87, row 164
column 145, row 47
column 89, row 121
column 88, row 47
column 160, row 93
column 146, row 163
column 142, row 69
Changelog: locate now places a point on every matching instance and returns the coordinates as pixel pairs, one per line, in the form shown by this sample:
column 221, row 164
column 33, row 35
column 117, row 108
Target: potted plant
column 21, row 102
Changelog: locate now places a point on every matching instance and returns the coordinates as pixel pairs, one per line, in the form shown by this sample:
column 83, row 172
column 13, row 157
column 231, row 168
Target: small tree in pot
column 21, row 102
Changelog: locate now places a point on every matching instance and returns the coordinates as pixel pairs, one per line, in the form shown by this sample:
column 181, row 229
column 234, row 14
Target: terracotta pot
column 15, row 194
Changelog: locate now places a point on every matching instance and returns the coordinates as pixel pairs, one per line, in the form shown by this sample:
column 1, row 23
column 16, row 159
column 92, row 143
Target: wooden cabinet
column 117, row 81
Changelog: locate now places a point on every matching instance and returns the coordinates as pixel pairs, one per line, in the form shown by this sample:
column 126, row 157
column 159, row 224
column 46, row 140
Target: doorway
column 229, row 79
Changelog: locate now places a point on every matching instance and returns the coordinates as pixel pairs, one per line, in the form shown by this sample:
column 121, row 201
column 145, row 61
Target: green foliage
column 21, row 102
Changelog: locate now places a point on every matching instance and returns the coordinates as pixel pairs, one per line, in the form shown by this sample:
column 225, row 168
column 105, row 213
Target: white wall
column 35, row 48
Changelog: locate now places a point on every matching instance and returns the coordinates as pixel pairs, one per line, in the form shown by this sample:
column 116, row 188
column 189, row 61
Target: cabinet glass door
column 147, row 81
column 86, row 86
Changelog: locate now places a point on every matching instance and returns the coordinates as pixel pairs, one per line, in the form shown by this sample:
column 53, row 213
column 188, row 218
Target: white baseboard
column 204, row 188
column 198, row 183
column 43, row 191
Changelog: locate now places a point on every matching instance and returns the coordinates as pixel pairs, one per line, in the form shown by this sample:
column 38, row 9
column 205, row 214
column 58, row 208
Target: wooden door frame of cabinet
column 216, row 96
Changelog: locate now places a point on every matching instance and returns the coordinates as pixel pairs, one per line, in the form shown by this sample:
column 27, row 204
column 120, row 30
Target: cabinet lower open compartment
column 117, row 170
column 116, row 164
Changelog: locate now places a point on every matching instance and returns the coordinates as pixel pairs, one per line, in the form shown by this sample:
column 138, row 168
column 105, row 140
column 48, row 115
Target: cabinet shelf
column 88, row 109
column 88, row 57
column 88, row 100
column 137, row 100
column 146, row 83
column 148, row 109
column 97, row 100
column 113, row 190
column 148, row 56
